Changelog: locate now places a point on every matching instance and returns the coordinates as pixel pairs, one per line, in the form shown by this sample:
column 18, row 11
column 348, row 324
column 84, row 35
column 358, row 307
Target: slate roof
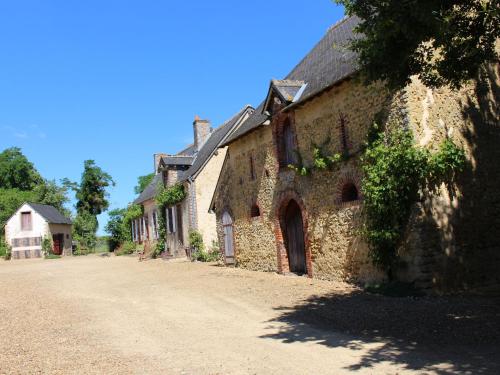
column 150, row 191
column 188, row 151
column 50, row 213
column 329, row 62
column 177, row 160
column 214, row 142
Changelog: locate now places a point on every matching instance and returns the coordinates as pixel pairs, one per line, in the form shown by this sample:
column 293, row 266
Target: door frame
column 60, row 237
column 228, row 259
column 279, row 225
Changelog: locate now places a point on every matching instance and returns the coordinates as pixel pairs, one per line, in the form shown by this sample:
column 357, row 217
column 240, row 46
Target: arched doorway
column 293, row 234
column 227, row 224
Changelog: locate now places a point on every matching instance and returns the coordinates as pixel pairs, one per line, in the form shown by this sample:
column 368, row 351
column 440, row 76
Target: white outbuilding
column 33, row 222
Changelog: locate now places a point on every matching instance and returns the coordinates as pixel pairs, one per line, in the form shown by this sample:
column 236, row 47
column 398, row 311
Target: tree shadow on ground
column 417, row 333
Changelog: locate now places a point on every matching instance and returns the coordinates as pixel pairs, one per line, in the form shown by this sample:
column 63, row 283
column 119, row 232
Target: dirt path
column 118, row 316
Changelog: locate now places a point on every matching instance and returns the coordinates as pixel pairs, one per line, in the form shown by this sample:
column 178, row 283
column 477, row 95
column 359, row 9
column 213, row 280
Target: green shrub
column 5, row 249
column 213, row 255
column 396, row 172
column 47, row 247
column 196, row 241
column 127, row 248
column 52, row 256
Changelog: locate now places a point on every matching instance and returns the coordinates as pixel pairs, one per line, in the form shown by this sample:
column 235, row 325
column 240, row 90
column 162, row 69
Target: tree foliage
column 119, row 224
column 17, row 172
column 143, row 182
column 91, row 193
column 84, row 230
column 396, row 173
column 443, row 42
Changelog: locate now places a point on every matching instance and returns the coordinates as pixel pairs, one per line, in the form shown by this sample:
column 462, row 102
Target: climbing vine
column 321, row 161
column 166, row 197
column 395, row 174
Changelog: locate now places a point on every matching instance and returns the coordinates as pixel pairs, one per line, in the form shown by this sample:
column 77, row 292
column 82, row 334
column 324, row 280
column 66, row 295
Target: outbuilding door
column 227, row 224
column 294, row 238
column 58, row 240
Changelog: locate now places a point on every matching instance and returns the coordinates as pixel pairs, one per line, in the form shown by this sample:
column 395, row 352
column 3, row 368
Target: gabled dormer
column 282, row 93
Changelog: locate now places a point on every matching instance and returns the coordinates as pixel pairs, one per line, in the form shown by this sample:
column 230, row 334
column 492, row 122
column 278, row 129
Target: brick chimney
column 202, row 131
column 157, row 158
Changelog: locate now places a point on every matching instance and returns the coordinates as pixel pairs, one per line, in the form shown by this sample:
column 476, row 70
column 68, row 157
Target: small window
column 287, row 145
column 252, row 168
column 27, row 254
column 349, row 193
column 171, row 219
column 25, row 220
column 255, row 211
column 343, row 133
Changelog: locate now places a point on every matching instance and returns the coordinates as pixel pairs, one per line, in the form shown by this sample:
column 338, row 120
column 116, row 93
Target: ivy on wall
column 320, row 160
column 396, row 172
column 166, row 197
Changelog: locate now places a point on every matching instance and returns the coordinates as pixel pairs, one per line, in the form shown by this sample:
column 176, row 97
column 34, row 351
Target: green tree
column 115, row 228
column 92, row 200
column 53, row 195
column 143, row 182
column 84, row 230
column 442, row 42
column 91, row 193
column 16, row 171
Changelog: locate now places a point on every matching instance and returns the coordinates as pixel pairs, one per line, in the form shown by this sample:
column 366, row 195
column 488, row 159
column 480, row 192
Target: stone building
column 30, row 224
column 271, row 218
column 197, row 168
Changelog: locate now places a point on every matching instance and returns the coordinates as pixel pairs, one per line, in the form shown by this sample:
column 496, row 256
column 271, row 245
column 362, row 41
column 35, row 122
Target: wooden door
column 294, row 238
column 227, row 224
column 58, row 240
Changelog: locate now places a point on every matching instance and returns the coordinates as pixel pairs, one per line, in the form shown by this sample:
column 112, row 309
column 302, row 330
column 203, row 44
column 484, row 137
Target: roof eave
column 301, row 102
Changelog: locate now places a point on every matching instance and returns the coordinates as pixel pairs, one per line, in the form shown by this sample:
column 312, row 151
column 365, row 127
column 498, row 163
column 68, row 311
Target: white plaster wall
column 13, row 230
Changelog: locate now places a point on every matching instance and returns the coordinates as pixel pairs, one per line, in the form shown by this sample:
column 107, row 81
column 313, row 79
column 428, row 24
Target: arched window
column 287, row 152
column 255, row 211
column 349, row 192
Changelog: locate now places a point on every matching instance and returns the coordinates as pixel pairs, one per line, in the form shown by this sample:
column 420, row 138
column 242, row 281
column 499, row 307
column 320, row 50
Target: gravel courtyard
column 114, row 315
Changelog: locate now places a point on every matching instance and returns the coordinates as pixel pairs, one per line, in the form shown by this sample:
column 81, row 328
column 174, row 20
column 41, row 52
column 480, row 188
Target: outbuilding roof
column 329, row 62
column 51, row 214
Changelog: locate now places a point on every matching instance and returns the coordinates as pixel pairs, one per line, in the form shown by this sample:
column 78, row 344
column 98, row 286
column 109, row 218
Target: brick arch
column 348, row 178
column 284, row 199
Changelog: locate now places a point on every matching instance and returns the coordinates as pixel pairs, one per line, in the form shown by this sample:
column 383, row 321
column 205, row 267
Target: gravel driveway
column 114, row 315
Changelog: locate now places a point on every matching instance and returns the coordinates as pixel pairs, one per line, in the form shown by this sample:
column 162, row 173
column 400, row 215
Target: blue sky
column 118, row 80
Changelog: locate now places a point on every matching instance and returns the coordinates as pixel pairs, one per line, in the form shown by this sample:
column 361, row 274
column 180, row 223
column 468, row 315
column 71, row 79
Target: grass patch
column 52, row 256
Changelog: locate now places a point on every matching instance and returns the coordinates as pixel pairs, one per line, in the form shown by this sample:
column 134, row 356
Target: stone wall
column 454, row 241
column 253, row 237
column 452, row 238
column 333, row 247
